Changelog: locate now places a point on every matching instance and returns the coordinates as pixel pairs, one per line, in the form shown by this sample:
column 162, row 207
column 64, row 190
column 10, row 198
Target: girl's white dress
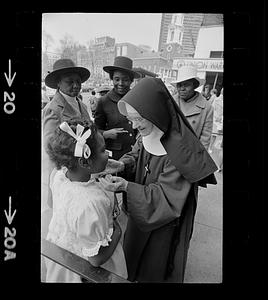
column 82, row 222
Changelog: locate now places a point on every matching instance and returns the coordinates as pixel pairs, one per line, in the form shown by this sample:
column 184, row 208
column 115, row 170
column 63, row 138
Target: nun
column 169, row 163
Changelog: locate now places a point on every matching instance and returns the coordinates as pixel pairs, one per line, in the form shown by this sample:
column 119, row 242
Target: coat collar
column 114, row 96
column 195, row 106
column 201, row 101
column 59, row 101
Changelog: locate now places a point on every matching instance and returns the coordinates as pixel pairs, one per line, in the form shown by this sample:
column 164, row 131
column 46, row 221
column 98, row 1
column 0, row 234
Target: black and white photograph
column 132, row 122
column 112, row 129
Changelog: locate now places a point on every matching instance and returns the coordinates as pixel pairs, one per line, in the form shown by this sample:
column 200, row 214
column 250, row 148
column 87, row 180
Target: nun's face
column 70, row 84
column 144, row 126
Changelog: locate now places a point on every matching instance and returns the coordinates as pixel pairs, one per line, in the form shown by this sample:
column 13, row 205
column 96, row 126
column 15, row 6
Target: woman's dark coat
column 107, row 117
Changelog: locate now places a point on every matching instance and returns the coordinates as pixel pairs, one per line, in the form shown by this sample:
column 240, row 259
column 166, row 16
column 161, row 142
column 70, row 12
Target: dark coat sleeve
column 100, row 116
column 156, row 204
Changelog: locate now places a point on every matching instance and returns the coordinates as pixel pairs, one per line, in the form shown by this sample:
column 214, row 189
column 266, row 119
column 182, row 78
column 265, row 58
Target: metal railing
column 78, row 265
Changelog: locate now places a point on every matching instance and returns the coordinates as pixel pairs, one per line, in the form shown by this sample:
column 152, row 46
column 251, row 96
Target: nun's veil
column 152, row 100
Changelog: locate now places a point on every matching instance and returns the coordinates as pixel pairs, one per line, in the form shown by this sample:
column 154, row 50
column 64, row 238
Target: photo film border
column 21, row 152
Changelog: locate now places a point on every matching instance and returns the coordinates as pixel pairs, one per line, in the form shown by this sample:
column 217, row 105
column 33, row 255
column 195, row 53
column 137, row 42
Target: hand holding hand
column 112, row 133
column 113, row 183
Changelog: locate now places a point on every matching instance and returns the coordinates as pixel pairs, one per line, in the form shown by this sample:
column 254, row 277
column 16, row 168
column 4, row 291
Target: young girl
column 84, row 220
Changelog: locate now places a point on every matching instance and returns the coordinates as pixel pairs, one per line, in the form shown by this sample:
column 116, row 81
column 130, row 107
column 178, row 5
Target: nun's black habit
column 161, row 201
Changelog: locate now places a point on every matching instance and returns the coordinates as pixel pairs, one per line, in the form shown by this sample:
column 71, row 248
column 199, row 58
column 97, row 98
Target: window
column 172, row 35
column 174, row 73
column 216, row 54
column 180, row 37
column 118, row 51
column 124, row 50
column 179, row 19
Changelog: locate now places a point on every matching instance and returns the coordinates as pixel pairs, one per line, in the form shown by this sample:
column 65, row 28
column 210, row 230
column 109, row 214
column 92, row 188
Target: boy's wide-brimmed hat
column 122, row 63
column 186, row 73
column 63, row 66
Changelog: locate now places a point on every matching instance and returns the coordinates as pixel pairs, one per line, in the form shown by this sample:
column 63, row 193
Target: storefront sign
column 208, row 65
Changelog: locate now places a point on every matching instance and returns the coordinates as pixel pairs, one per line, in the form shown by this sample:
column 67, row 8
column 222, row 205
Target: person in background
column 93, row 100
column 169, row 163
column 45, row 98
column 84, row 219
column 91, row 103
column 206, row 93
column 217, row 131
column 66, row 78
column 103, row 90
column 116, row 129
column 213, row 94
column 198, row 111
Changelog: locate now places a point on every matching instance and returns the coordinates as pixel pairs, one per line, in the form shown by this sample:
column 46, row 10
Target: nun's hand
column 113, row 183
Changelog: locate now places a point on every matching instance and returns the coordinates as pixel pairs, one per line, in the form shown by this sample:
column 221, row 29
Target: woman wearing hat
column 169, row 163
column 198, row 111
column 66, row 78
column 116, row 129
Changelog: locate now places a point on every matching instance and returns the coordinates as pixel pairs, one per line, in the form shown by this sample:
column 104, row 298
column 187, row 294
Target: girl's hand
column 113, row 183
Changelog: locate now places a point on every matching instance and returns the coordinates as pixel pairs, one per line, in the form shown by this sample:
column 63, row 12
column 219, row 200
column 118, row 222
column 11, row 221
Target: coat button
column 130, row 134
column 193, row 121
column 129, row 122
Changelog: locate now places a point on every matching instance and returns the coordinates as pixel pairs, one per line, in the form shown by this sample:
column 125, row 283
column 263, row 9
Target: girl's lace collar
column 90, row 181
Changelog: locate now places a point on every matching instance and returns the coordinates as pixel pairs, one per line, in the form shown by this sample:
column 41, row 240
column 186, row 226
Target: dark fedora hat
column 122, row 63
column 63, row 66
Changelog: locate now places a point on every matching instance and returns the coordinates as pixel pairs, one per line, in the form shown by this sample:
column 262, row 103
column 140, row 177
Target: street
column 204, row 264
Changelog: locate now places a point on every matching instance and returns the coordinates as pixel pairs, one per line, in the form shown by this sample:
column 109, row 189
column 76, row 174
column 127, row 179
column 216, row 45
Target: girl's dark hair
column 61, row 145
column 131, row 76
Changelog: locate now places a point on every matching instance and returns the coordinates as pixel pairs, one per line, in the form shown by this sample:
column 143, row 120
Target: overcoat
column 160, row 221
column 199, row 113
column 107, row 117
column 54, row 113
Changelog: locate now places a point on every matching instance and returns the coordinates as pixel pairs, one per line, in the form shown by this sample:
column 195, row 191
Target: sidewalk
column 204, row 264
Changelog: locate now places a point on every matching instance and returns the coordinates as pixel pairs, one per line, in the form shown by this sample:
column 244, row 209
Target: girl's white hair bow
column 81, row 148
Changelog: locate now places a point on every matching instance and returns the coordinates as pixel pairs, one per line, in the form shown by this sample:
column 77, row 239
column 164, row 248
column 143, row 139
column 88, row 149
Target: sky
column 135, row 28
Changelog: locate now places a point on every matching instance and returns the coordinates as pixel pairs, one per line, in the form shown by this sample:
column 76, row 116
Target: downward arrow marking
column 9, row 79
column 10, row 216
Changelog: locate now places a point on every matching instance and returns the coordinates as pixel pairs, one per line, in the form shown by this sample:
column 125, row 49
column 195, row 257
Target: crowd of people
column 141, row 143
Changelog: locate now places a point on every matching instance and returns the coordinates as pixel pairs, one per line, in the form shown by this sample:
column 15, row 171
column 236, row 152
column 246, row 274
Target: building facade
column 209, row 52
column 165, row 21
column 48, row 59
column 210, row 48
column 129, row 50
column 178, row 34
column 154, row 62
